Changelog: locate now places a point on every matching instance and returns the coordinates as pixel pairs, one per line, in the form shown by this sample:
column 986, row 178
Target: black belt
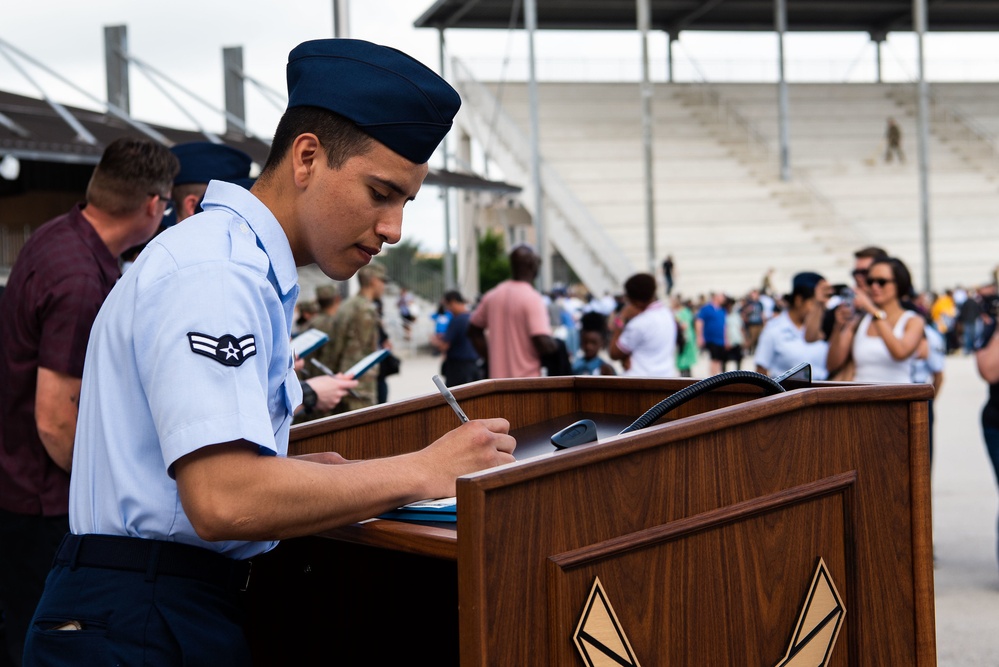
column 153, row 557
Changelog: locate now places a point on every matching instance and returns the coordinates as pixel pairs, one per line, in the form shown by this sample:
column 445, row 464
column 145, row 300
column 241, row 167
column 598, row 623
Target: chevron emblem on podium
column 599, row 638
column 818, row 625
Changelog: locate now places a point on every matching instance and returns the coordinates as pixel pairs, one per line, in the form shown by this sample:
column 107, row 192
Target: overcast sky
column 184, row 39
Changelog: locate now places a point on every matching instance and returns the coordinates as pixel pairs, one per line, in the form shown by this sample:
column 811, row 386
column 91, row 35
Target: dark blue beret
column 806, row 281
column 203, row 161
column 392, row 97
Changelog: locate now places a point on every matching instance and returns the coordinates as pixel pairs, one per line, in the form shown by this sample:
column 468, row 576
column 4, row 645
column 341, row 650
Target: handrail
column 582, row 241
column 756, row 140
column 971, row 126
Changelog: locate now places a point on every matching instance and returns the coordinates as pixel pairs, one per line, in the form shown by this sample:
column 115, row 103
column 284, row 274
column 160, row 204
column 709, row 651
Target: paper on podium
column 439, row 509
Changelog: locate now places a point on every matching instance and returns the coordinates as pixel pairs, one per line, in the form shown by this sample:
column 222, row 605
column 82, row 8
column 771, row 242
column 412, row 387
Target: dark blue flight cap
column 203, row 161
column 392, row 97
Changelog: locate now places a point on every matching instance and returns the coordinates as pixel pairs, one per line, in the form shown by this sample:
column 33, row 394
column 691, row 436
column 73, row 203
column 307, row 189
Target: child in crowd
column 592, row 339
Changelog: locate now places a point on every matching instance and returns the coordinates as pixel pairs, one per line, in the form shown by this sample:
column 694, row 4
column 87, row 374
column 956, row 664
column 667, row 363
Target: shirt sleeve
column 764, row 354
column 630, row 338
column 67, row 313
column 538, row 322
column 204, row 339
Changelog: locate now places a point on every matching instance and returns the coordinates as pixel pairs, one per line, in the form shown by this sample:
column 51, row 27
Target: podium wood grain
column 704, row 530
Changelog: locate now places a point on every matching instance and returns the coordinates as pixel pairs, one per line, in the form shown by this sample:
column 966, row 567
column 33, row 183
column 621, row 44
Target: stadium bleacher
column 721, row 209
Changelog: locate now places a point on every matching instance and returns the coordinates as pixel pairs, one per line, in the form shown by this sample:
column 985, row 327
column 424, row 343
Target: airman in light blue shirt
column 193, row 349
column 181, row 468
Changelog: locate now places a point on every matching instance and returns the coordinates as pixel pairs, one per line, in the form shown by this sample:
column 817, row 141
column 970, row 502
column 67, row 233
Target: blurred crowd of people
column 876, row 329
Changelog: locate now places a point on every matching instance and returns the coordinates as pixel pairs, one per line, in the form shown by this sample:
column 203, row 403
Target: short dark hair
column 641, row 287
column 339, row 136
column 593, row 321
column 803, row 286
column 900, row 274
column 453, row 296
column 870, row 252
column 129, row 171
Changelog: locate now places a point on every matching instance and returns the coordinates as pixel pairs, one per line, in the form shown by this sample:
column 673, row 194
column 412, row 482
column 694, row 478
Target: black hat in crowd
column 805, row 281
column 453, row 296
column 203, row 161
column 389, row 95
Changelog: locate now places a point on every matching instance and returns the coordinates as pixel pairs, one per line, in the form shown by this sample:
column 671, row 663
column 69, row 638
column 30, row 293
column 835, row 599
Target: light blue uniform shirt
column 191, row 348
column 782, row 346
column 923, row 370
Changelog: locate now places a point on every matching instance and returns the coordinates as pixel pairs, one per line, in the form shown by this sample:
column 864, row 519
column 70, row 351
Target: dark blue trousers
column 117, row 617
column 992, row 445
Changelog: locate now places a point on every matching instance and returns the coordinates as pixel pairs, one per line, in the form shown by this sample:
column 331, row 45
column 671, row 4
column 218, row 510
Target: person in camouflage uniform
column 328, row 301
column 328, row 298
column 355, row 335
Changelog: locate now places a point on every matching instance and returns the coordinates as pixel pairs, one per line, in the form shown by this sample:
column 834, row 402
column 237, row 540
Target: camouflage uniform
column 324, row 354
column 324, row 323
column 354, row 336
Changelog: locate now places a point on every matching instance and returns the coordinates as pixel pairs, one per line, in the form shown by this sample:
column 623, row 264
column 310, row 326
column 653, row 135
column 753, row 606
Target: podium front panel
column 706, row 531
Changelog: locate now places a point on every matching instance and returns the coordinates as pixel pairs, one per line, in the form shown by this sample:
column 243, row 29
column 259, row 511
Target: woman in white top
column 882, row 335
column 782, row 343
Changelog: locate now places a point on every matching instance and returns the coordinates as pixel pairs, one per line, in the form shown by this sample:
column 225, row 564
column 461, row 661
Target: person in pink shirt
column 516, row 319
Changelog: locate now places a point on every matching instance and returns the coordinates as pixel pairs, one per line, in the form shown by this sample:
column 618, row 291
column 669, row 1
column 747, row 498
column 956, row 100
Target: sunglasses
column 880, row 282
column 860, row 273
column 166, row 200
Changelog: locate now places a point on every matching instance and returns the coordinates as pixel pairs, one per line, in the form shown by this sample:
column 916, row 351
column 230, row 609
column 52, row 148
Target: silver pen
column 326, row 369
column 449, row 397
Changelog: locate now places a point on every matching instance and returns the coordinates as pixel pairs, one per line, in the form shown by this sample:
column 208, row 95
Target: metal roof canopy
column 876, row 17
column 47, row 139
column 873, row 16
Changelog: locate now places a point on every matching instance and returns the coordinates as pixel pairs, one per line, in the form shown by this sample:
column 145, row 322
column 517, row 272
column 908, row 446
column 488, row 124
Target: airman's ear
column 189, row 205
column 305, row 151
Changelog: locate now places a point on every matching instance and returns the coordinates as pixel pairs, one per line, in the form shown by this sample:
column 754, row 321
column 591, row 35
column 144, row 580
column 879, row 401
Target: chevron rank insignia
column 819, row 624
column 599, row 638
column 227, row 349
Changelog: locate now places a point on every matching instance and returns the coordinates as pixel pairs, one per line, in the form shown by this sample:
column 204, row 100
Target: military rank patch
column 227, row 349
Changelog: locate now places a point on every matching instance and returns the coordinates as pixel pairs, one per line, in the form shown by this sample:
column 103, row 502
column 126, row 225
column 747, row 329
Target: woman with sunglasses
column 882, row 335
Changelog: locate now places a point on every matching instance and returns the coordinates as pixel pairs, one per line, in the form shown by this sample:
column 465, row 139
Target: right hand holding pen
column 473, row 446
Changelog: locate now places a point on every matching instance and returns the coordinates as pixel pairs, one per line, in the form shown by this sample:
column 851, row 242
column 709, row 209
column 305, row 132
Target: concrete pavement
column 964, row 503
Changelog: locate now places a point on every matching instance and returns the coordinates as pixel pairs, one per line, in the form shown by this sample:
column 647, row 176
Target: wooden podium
column 739, row 530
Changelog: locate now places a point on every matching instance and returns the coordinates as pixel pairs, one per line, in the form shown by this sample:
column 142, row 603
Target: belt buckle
column 246, row 582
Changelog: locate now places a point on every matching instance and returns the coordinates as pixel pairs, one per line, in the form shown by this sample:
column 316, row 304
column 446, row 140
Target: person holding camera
column 879, row 334
column 782, row 344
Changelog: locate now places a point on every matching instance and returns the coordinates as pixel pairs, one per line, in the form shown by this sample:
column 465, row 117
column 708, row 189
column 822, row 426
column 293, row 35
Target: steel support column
column 644, row 19
column 540, row 231
column 923, row 123
column 783, row 113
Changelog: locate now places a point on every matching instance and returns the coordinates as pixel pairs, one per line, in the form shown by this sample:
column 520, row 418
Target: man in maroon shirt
column 60, row 279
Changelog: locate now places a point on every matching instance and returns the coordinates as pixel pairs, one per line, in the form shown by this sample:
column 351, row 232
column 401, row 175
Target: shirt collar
column 269, row 232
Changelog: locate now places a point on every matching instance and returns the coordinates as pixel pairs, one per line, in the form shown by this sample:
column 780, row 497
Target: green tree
column 494, row 265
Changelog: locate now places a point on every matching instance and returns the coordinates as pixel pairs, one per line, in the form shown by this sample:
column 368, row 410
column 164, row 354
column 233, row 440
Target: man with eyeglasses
column 862, row 260
column 60, row 279
column 816, row 330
